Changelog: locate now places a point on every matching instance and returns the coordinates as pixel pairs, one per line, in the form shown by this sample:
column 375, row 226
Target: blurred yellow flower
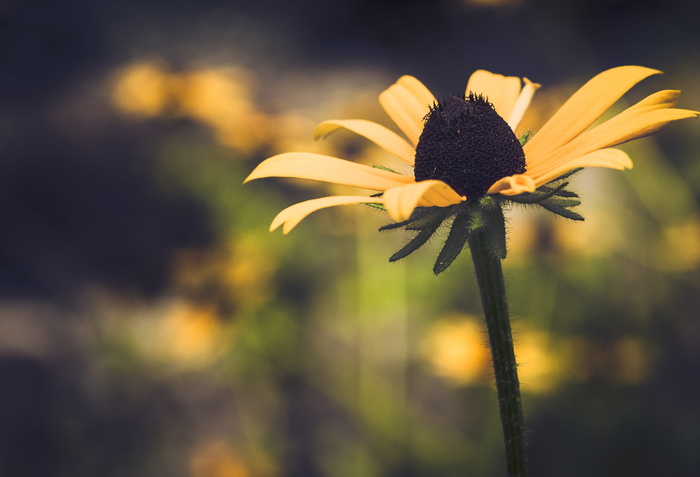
column 175, row 335
column 190, row 336
column 218, row 459
column 681, row 246
column 220, row 97
column 566, row 142
column 540, row 367
column 142, row 89
column 456, row 348
column 235, row 276
column 625, row 361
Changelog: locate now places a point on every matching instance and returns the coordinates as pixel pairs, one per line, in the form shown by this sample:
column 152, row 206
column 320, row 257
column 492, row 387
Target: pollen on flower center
column 466, row 144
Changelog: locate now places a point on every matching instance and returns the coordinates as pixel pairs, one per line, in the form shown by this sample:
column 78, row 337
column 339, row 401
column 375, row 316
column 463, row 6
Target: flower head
column 467, row 145
column 465, row 148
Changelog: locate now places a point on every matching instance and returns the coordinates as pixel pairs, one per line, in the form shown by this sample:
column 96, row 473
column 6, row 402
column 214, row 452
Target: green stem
column 489, row 275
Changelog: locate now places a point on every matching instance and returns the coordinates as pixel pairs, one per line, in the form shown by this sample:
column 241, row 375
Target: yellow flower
column 566, row 142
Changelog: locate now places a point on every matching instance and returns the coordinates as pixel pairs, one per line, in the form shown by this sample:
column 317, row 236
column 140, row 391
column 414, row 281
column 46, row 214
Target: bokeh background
column 150, row 325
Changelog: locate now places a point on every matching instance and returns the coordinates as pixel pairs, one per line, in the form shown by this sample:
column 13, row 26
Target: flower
column 465, row 148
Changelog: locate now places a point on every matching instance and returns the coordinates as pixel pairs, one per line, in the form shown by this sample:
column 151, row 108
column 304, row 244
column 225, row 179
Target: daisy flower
column 465, row 148
column 467, row 163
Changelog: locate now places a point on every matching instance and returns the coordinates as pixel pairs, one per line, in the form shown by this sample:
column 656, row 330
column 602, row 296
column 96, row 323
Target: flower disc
column 466, row 144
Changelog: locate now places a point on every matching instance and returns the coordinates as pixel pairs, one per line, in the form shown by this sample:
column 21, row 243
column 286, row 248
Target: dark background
column 98, row 208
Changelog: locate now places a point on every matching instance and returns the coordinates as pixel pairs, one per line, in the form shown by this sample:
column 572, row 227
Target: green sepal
column 527, row 135
column 495, row 232
column 559, row 210
column 395, row 225
column 485, row 216
column 417, row 241
column 542, row 193
column 436, row 215
column 559, row 191
column 553, row 197
column 566, row 202
column 384, row 168
column 461, row 228
column 421, row 217
column 566, row 175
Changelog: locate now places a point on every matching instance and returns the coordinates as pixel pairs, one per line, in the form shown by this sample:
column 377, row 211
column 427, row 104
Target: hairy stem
column 489, row 275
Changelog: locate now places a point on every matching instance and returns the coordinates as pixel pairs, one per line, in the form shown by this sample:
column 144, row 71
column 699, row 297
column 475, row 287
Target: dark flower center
column 466, row 144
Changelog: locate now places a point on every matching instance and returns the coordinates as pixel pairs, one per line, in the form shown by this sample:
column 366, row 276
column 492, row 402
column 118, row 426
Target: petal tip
column 323, row 129
column 250, row 177
column 286, row 224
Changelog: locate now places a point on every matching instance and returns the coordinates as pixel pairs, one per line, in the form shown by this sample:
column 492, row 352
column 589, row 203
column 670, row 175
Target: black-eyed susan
column 467, row 161
column 466, row 147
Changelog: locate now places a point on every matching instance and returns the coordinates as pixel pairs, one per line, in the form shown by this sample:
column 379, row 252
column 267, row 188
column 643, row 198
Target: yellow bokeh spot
column 223, row 98
column 457, row 351
column 456, row 348
column 181, row 335
column 540, row 367
column 627, row 361
column 142, row 89
column 682, row 245
column 191, row 334
column 237, row 274
column 217, row 459
column 219, row 97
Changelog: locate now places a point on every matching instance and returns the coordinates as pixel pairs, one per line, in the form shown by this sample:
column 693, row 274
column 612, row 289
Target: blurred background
column 150, row 325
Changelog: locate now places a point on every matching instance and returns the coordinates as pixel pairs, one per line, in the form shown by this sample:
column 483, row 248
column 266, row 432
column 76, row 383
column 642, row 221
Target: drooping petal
column 317, row 167
column 585, row 106
column 610, row 158
column 291, row 216
column 407, row 102
column 401, row 201
column 501, row 91
column 513, row 185
column 522, row 103
column 378, row 134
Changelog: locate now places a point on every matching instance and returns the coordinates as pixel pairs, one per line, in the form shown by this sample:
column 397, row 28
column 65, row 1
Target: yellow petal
column 401, row 201
column 418, row 90
column 662, row 99
column 522, row 103
column 638, row 123
column 501, row 91
column 513, row 185
column 407, row 102
column 659, row 100
column 376, row 133
column 585, row 106
column 291, row 216
column 610, row 158
column 640, row 119
column 317, row 167
column 633, row 126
